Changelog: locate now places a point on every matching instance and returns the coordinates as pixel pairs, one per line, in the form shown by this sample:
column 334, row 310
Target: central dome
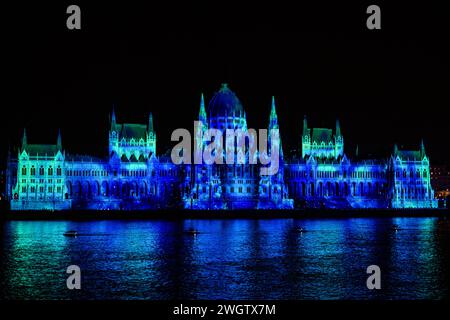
column 225, row 103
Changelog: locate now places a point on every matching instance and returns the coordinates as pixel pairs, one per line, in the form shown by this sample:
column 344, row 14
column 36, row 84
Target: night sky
column 386, row 86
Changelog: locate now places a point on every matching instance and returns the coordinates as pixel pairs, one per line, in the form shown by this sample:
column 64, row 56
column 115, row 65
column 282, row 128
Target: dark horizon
column 388, row 86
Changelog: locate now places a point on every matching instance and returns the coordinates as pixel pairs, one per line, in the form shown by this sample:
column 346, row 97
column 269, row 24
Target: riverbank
column 169, row 214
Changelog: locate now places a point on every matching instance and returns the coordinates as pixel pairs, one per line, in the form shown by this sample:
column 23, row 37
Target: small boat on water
column 70, row 233
column 192, row 232
column 300, row 230
column 396, row 228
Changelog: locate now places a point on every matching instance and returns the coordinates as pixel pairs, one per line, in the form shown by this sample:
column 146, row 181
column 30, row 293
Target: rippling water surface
column 229, row 259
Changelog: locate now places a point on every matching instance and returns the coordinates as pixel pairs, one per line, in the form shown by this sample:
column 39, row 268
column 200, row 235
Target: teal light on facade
column 133, row 176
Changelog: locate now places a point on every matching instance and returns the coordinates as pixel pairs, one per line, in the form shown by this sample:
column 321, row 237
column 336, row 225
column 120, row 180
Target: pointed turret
column 24, row 139
column 273, row 124
column 150, row 122
column 202, row 113
column 338, row 128
column 113, row 118
column 357, row 151
column 339, row 141
column 273, row 119
column 58, row 141
column 422, row 149
column 395, row 150
column 305, row 126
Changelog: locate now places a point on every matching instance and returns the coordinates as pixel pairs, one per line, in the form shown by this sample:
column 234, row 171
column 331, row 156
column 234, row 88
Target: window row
column 368, row 174
column 41, row 189
column 41, row 171
column 412, row 173
column 134, row 173
column 41, row 181
column 87, row 173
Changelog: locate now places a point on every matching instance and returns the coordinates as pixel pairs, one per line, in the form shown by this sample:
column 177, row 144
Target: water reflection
column 228, row 259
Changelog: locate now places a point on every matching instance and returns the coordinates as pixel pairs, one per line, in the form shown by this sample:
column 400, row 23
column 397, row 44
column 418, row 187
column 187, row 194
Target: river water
column 228, row 259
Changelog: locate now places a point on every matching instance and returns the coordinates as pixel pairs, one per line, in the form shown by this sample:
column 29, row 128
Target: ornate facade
column 133, row 176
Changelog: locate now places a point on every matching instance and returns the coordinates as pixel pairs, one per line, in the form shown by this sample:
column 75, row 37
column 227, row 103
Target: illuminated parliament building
column 133, row 176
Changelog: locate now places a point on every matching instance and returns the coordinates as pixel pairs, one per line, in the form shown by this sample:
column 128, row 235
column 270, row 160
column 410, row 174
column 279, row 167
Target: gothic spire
column 273, row 124
column 305, row 126
column 338, row 128
column 422, row 149
column 273, row 119
column 150, row 122
column 202, row 112
column 113, row 118
column 24, row 139
column 58, row 141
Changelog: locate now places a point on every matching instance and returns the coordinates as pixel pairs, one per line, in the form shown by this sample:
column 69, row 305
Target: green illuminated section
column 321, row 143
column 40, row 177
column 132, row 142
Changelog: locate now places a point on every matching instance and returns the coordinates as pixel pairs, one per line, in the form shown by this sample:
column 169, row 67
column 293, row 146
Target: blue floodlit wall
column 133, row 177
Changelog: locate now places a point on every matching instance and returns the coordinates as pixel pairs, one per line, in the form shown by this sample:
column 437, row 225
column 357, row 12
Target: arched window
column 50, row 171
column 58, row 171
column 425, row 173
column 24, row 171
column 41, row 171
column 33, row 171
